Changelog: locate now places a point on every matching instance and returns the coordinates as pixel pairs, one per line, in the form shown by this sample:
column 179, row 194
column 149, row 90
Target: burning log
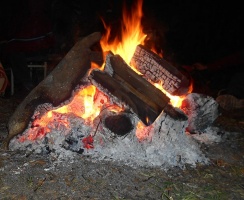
column 157, row 69
column 56, row 88
column 144, row 99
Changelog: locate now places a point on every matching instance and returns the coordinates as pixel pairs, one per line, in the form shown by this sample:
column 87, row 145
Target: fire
column 176, row 101
column 90, row 111
column 82, row 105
column 85, row 104
column 143, row 132
column 131, row 36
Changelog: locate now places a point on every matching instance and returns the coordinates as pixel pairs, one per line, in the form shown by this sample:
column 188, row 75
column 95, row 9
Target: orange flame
column 84, row 105
column 131, row 36
column 174, row 100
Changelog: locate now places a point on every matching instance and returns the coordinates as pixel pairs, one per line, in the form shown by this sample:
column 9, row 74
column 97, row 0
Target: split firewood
column 145, row 109
column 56, row 87
column 143, row 98
column 158, row 70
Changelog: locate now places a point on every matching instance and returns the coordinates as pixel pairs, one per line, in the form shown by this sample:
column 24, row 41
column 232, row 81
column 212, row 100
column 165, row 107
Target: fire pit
column 134, row 108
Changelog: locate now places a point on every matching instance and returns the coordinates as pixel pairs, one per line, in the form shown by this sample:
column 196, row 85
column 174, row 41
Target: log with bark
column 56, row 87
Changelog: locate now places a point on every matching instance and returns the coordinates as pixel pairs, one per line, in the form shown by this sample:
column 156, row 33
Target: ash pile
column 121, row 132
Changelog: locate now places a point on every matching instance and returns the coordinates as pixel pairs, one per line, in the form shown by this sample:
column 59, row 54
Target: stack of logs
column 119, row 79
column 136, row 90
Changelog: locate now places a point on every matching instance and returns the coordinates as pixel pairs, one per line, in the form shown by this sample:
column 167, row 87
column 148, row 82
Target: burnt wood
column 143, row 98
column 119, row 124
column 175, row 113
column 202, row 110
column 157, row 69
column 56, row 87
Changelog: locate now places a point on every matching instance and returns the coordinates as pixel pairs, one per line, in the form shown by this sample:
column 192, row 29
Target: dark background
column 187, row 32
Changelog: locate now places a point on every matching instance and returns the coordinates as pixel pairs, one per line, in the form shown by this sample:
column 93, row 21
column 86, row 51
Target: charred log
column 175, row 113
column 156, row 69
column 56, row 88
column 143, row 98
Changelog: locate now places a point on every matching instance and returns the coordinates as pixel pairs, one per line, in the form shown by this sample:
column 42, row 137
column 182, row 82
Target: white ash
column 167, row 144
column 212, row 135
column 108, row 67
column 201, row 110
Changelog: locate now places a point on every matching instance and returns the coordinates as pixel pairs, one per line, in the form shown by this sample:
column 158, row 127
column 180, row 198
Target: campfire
column 134, row 107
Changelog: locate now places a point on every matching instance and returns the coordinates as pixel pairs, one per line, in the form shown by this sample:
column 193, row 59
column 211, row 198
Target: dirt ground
column 27, row 176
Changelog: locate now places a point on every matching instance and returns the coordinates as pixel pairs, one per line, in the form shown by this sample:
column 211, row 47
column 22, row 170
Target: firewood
column 143, row 98
column 157, row 69
column 56, row 87
column 125, row 73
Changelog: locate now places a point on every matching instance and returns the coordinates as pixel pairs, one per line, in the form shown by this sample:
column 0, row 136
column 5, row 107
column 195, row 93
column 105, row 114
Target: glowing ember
column 85, row 104
column 143, row 132
column 88, row 142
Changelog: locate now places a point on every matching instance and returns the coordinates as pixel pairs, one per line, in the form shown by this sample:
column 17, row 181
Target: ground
column 31, row 176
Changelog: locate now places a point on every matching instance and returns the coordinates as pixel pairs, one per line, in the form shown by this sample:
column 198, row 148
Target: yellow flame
column 82, row 105
column 132, row 35
column 90, row 110
column 174, row 100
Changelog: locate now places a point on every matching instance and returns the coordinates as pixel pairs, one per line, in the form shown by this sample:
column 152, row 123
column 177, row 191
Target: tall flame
column 131, row 35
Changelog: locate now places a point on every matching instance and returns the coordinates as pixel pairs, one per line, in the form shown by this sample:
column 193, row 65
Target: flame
column 174, row 100
column 131, row 36
column 95, row 66
column 89, row 110
column 84, row 105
